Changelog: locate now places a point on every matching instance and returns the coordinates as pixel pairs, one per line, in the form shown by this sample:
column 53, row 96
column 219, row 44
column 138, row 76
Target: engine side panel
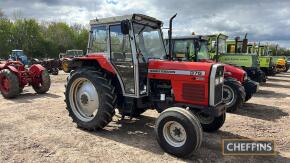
column 189, row 80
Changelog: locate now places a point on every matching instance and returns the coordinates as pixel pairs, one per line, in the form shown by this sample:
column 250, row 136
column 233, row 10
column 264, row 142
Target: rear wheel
column 210, row 123
column 9, row 84
column 178, row 132
column 44, row 84
column 234, row 95
column 90, row 99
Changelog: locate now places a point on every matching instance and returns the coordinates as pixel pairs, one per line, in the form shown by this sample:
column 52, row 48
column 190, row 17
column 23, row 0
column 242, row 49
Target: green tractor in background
column 234, row 52
column 267, row 64
column 282, row 63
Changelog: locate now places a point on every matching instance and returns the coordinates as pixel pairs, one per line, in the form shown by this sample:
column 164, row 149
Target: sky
column 263, row 20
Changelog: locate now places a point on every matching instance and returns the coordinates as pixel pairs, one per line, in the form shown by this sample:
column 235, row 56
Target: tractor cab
column 129, row 42
column 18, row 55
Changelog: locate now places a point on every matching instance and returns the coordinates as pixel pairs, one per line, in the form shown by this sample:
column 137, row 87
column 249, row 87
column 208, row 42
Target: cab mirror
column 125, row 27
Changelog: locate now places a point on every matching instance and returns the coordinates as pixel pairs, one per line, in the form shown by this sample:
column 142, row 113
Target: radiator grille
column 218, row 94
column 193, row 92
column 219, row 87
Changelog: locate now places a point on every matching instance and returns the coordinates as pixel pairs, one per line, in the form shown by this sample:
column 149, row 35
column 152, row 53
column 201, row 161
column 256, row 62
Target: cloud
column 265, row 20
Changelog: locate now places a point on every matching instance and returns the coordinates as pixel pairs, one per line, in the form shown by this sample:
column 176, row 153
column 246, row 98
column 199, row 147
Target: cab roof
column 116, row 19
column 189, row 37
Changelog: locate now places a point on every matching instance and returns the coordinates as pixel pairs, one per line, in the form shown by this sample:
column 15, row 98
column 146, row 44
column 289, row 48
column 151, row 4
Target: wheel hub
column 84, row 99
column 174, row 133
column 5, row 84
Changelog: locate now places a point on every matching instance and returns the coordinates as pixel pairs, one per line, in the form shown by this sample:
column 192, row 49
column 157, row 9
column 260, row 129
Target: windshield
column 203, row 51
column 17, row 53
column 222, row 46
column 149, row 42
column 185, row 50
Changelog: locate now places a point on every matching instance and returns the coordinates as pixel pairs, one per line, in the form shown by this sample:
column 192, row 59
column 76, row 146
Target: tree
column 26, row 35
column 5, row 37
column 60, row 37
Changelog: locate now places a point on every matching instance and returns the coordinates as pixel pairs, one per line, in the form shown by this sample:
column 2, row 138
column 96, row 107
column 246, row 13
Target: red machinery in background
column 14, row 77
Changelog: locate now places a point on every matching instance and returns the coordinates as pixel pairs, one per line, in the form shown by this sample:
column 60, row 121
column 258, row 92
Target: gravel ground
column 37, row 128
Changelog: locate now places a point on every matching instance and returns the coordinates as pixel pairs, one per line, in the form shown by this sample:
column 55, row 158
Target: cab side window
column 120, row 45
column 99, row 40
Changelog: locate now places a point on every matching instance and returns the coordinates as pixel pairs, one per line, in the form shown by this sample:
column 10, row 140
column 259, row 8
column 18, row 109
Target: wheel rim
column 4, row 85
column 204, row 119
column 228, row 95
column 84, row 99
column 174, row 133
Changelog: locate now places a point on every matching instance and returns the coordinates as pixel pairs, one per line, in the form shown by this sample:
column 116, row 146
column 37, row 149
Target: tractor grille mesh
column 219, row 88
column 218, row 93
column 193, row 92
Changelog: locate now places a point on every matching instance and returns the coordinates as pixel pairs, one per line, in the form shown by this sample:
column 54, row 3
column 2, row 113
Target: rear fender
column 36, row 70
column 95, row 61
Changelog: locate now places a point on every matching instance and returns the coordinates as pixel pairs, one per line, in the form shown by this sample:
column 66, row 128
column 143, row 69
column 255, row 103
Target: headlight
column 245, row 77
column 219, row 80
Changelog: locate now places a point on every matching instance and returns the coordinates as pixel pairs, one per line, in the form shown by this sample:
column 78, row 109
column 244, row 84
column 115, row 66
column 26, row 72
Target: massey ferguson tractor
column 14, row 77
column 237, row 88
column 127, row 68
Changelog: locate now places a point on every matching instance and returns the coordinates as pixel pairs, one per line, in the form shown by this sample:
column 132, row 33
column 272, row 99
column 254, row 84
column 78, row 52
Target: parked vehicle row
column 127, row 68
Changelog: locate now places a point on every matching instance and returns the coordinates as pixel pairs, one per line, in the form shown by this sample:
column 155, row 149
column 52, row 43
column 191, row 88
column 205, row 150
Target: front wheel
column 178, row 132
column 210, row 123
column 233, row 95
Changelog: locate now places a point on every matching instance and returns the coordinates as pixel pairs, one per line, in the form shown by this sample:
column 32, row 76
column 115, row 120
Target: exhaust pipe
column 245, row 44
column 170, row 37
column 217, row 47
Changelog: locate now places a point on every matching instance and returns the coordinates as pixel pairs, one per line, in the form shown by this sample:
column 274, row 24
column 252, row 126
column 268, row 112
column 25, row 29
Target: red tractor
column 127, row 68
column 14, row 77
column 237, row 88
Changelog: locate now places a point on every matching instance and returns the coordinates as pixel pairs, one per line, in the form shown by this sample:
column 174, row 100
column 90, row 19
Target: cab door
column 121, row 55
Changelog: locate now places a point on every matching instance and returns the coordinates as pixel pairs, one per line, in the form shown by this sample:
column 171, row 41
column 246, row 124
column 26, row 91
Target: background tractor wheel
column 234, row 95
column 9, row 84
column 54, row 71
column 287, row 68
column 90, row 99
column 44, row 86
column 178, row 132
column 248, row 97
column 210, row 123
